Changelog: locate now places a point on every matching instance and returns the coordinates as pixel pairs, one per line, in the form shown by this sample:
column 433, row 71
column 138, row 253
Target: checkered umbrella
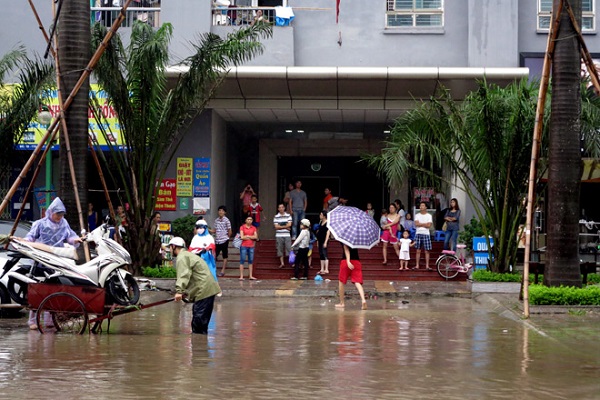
column 353, row 227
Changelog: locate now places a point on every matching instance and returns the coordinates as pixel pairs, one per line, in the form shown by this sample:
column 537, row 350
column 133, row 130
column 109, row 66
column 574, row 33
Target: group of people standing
column 394, row 220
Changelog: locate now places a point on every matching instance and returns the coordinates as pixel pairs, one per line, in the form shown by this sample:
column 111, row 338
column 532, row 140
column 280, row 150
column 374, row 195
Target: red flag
column 337, row 11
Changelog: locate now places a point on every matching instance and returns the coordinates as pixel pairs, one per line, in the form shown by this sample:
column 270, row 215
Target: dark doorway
column 269, row 3
column 342, row 175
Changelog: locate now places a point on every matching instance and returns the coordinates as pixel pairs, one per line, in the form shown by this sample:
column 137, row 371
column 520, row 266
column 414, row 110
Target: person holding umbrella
column 355, row 229
column 350, row 267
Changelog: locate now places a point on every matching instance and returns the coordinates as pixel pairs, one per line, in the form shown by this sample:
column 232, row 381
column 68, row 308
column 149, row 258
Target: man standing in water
column 195, row 281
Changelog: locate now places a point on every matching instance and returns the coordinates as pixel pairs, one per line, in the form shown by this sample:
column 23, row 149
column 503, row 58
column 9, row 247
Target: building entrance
column 342, row 175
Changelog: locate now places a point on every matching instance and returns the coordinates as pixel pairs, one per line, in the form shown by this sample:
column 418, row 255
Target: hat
column 177, row 241
column 201, row 223
column 305, row 222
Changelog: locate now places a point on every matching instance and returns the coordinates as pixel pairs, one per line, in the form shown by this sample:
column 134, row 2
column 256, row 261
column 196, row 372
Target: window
column 414, row 13
column 588, row 16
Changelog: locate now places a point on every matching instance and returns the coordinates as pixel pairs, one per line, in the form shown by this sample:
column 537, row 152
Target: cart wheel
column 62, row 312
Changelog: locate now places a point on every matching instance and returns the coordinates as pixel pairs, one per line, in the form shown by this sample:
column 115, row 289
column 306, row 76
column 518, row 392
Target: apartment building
column 331, row 81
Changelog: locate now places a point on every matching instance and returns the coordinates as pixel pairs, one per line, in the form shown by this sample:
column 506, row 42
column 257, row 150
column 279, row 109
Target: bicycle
column 449, row 265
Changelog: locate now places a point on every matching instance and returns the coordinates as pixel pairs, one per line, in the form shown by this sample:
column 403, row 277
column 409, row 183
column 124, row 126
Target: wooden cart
column 67, row 308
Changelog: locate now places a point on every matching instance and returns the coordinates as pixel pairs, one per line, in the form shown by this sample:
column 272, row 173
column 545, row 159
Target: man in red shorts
column 350, row 267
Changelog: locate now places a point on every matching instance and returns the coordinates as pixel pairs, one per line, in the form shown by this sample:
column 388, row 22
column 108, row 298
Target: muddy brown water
column 295, row 348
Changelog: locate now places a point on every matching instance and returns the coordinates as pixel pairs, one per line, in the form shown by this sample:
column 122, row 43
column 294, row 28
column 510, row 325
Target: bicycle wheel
column 448, row 266
column 62, row 312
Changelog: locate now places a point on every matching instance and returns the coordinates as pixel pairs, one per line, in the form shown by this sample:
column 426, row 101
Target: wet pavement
column 274, row 347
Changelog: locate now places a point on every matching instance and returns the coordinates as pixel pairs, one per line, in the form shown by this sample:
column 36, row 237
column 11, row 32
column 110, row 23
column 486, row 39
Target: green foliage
column 564, row 295
column 483, row 145
column 184, row 227
column 154, row 114
column 20, row 103
column 482, row 275
column 593, row 279
column 472, row 229
column 159, row 272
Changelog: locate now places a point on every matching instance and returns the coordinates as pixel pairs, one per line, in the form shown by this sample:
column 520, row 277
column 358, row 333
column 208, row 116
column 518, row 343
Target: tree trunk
column 564, row 172
column 74, row 54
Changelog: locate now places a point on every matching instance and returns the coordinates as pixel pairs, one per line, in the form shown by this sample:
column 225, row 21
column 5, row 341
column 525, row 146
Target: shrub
column 593, row 279
column 564, row 295
column 159, row 272
column 482, row 275
column 470, row 230
column 184, row 227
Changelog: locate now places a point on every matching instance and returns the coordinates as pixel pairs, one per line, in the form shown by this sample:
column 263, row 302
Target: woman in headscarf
column 52, row 230
column 203, row 244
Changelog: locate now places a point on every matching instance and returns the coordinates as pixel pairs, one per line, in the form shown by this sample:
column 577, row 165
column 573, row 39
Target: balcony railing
column 236, row 16
column 107, row 15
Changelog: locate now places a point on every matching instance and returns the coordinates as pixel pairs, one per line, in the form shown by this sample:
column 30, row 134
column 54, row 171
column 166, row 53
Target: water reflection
column 302, row 348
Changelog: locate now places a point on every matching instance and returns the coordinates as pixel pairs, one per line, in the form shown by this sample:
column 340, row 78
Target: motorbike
column 107, row 268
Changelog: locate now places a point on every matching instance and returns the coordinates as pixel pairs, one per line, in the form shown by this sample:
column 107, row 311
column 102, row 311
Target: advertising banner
column 166, row 199
column 107, row 121
column 201, row 177
column 480, row 249
column 184, row 177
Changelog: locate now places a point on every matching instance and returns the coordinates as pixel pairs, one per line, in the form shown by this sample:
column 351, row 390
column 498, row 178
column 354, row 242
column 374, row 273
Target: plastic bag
column 237, row 241
column 292, row 257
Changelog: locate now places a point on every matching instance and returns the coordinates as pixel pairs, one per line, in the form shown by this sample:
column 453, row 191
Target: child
column 408, row 224
column 254, row 211
column 383, row 219
column 405, row 244
column 370, row 210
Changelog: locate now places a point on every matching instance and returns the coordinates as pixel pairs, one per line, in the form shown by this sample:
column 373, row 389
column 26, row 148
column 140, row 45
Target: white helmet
column 177, row 241
column 201, row 223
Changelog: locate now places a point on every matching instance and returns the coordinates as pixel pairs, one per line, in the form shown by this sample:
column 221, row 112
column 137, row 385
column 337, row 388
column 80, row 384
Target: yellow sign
column 184, row 177
column 106, row 120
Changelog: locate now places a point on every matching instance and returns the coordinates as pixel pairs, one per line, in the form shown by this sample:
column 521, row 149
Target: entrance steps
column 266, row 264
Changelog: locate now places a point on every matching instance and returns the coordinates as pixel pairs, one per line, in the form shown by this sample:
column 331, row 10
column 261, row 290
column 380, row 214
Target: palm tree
column 74, row 54
column 564, row 170
column 483, row 142
column 19, row 104
column 152, row 116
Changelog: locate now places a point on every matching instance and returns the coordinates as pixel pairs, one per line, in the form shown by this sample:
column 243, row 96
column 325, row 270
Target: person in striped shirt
column 222, row 232
column 283, row 225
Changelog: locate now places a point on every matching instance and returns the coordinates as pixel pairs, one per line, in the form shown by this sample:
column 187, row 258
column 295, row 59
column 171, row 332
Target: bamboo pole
column 92, row 63
column 535, row 148
column 585, row 54
column 30, row 187
column 27, row 166
column 115, row 26
column 111, row 210
column 65, row 137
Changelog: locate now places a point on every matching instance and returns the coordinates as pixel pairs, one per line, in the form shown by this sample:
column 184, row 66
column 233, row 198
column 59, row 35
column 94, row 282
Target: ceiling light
column 288, row 131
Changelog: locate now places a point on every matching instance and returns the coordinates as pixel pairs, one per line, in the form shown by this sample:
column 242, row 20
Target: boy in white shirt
column 423, row 221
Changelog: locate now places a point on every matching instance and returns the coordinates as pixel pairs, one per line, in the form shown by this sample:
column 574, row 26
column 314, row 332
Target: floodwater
column 295, row 348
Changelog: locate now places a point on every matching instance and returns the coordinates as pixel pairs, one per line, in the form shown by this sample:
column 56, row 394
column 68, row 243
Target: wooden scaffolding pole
column 535, row 149
column 51, row 130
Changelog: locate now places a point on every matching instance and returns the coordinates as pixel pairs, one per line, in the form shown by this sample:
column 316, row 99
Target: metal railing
column 236, row 16
column 108, row 15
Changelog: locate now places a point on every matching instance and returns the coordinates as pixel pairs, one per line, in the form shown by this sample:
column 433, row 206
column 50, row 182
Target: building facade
column 329, row 84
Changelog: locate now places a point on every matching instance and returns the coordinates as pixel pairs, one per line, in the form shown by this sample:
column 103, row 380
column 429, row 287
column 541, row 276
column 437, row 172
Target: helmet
column 305, row 222
column 177, row 241
column 201, row 223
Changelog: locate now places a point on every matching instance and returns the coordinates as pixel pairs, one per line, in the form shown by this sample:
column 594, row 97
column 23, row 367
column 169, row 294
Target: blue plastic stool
column 440, row 236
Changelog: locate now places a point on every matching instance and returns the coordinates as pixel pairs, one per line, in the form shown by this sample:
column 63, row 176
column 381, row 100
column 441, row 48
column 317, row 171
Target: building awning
column 357, row 95
column 590, row 173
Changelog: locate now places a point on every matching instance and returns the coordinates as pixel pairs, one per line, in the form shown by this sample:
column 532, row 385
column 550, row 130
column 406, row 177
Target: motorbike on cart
column 36, row 263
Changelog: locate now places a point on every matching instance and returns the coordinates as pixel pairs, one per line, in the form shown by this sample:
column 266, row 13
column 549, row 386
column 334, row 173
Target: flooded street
column 303, row 348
